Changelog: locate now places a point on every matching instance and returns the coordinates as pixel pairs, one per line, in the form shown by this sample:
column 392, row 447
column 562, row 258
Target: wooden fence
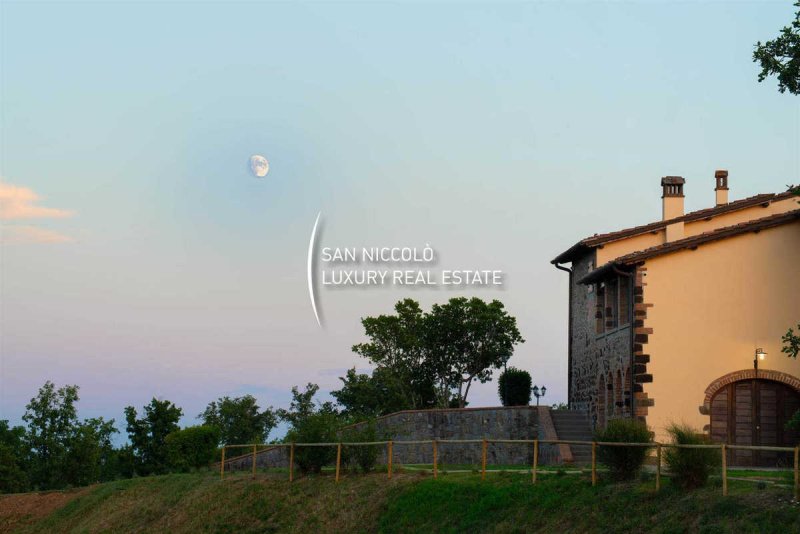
column 534, row 443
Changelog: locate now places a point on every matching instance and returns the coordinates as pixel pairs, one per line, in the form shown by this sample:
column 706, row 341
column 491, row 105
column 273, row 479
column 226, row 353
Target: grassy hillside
column 414, row 503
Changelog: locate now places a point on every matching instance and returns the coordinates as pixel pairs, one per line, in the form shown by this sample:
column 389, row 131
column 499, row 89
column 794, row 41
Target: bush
column 690, row 468
column 362, row 457
column 624, row 462
column 317, row 427
column 192, row 447
column 514, row 387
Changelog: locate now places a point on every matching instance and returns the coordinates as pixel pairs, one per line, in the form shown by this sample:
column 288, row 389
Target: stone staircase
column 574, row 425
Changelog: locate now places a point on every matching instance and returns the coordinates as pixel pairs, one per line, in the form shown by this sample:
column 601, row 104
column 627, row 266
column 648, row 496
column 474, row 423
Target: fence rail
column 434, row 443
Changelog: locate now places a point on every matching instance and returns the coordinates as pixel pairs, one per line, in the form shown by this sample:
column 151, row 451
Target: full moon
column 259, row 165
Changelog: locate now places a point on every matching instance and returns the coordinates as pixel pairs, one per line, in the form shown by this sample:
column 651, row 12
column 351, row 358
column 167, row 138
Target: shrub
column 514, row 387
column 317, row 427
column 690, row 468
column 362, row 457
column 624, row 462
column 192, row 447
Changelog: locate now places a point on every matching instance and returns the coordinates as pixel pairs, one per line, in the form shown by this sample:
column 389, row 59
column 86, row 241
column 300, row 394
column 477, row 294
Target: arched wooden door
column 755, row 412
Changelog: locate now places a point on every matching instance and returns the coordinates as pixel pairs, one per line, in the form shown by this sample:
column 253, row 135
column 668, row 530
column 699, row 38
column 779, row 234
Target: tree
column 791, row 347
column 13, row 453
column 240, row 420
column 148, row 435
column 514, row 387
column 437, row 356
column 781, row 57
column 192, row 447
column 91, row 458
column 65, row 451
column 467, row 340
column 52, row 418
column 397, row 344
column 311, row 423
column 364, row 396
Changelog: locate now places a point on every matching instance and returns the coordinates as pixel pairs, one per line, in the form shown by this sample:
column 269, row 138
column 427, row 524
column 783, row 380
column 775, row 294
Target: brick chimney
column 721, row 176
column 672, row 205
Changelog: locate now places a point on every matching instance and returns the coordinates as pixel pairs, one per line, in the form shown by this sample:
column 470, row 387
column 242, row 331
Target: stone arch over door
column 749, row 408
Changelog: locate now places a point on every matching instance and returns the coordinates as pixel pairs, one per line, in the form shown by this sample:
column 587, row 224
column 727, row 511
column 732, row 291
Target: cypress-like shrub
column 514, row 387
column 623, row 462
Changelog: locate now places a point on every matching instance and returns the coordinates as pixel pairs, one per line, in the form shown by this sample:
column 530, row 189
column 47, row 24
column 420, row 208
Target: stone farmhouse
column 681, row 320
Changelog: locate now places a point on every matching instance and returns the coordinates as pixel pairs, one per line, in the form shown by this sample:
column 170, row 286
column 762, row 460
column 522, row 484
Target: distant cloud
column 17, row 203
column 20, row 203
column 18, row 235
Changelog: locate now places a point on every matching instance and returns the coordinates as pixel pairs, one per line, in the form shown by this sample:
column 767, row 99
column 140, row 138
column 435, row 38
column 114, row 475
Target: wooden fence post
column 535, row 459
column 222, row 464
column 435, row 454
column 291, row 462
column 658, row 467
column 338, row 460
column 797, row 473
column 254, row 461
column 594, row 463
column 484, row 446
column 389, row 456
column 724, row 470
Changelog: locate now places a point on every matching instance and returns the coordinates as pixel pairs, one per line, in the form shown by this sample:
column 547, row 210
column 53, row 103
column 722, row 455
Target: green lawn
column 415, row 502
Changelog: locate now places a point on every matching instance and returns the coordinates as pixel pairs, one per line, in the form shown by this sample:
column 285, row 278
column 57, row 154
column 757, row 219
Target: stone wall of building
column 597, row 359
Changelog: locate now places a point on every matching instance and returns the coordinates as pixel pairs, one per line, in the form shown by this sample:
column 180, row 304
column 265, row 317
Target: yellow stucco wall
column 640, row 242
column 711, row 308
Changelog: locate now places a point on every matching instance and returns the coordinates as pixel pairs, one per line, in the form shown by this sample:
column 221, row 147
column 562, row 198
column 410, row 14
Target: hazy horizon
column 141, row 258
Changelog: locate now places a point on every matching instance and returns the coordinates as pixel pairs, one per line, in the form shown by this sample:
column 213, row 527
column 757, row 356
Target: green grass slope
column 416, row 503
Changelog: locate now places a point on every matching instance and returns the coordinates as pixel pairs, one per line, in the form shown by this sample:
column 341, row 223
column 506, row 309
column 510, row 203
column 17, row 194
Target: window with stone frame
column 612, row 303
column 600, row 303
column 624, row 301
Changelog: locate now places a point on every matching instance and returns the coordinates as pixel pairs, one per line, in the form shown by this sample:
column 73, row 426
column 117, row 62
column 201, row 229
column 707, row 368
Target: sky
column 140, row 258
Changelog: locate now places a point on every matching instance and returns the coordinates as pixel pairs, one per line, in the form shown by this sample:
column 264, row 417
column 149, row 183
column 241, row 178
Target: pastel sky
column 140, row 258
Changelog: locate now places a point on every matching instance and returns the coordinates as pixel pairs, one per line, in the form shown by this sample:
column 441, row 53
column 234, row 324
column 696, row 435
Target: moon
column 259, row 166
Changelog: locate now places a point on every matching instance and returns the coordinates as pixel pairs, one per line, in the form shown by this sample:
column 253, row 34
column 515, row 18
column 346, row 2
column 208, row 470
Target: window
column 612, row 304
column 624, row 300
column 600, row 303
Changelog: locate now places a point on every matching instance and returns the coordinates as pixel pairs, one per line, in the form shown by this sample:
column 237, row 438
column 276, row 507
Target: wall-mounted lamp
column 760, row 355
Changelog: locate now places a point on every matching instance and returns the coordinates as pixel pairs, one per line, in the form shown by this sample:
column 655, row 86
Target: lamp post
column 537, row 393
column 759, row 356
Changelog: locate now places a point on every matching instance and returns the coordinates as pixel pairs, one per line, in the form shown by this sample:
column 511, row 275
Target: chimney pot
column 672, row 205
column 721, row 189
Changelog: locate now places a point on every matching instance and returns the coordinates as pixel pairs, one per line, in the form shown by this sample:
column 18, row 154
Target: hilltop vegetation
column 505, row 502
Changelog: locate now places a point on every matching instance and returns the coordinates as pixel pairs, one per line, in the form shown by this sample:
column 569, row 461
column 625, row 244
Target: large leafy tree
column 442, row 352
column 239, row 419
column 781, row 57
column 64, row 450
column 397, row 344
column 148, row 435
column 468, row 339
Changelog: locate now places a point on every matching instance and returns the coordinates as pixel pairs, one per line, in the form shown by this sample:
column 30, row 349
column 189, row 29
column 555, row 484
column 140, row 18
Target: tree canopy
column 438, row 355
column 239, row 420
column 781, row 57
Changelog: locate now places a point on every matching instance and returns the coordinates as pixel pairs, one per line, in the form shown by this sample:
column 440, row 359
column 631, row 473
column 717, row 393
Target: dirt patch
column 21, row 509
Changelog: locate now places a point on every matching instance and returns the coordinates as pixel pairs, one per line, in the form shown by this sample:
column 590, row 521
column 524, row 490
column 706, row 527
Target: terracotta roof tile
column 692, row 242
column 600, row 239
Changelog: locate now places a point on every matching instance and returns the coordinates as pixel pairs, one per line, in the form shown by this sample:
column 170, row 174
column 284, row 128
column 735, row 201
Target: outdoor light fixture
column 760, row 355
column 537, row 393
